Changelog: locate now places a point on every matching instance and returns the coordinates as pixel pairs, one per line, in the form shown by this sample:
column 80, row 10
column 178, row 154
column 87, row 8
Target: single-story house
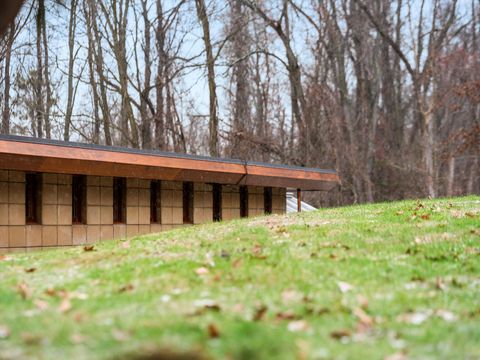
column 55, row 193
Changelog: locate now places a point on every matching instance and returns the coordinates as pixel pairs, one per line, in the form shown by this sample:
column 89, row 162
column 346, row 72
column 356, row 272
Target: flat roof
column 41, row 155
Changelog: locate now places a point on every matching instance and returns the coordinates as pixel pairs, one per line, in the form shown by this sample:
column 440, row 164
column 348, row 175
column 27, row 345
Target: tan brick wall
column 56, row 227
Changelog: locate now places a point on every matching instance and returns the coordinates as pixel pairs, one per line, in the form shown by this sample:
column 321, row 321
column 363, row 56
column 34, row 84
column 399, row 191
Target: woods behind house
column 386, row 92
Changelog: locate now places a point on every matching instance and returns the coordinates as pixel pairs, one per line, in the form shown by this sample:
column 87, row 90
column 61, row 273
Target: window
column 155, row 203
column 188, row 203
column 267, row 200
column 217, row 202
column 119, row 200
column 33, row 198
column 243, row 201
column 79, row 199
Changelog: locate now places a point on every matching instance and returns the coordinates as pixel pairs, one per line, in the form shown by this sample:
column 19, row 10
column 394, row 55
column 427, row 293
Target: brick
column 155, row 228
column 132, row 230
column 208, row 214
column 4, row 214
column 50, row 178
column 144, row 183
column 93, row 195
column 143, row 229
column 64, row 235
column 49, row 236
column 93, row 181
column 132, row 215
column 177, row 185
column 106, row 232
column 132, row 183
column 16, row 236
column 198, row 216
column 3, row 175
column 106, row 196
column 93, row 233
column 199, row 186
column 79, row 234
column 177, row 198
column 167, row 215
column 177, row 216
column 16, row 214
column 167, row 185
column 106, row 181
column 3, row 236
column 227, row 214
column 226, row 200
column 64, row 194
column 3, row 192
column 132, row 197
column 64, row 216
column 49, row 194
column 119, row 231
column 198, row 199
column 144, row 215
column 208, row 199
column 49, row 215
column 93, row 215
column 16, row 176
column 16, row 193
column 235, row 200
column 106, row 215
column 144, row 197
column 65, row 179
column 167, row 197
column 235, row 213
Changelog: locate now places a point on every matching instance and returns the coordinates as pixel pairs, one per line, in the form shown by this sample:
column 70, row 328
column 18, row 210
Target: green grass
column 364, row 282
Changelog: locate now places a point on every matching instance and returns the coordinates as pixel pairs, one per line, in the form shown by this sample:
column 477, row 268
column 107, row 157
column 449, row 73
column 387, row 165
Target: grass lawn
column 395, row 281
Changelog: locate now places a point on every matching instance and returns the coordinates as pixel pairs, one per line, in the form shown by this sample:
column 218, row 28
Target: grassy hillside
column 392, row 281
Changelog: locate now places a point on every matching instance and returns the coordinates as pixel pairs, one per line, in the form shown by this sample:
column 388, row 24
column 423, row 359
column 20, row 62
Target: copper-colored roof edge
column 237, row 166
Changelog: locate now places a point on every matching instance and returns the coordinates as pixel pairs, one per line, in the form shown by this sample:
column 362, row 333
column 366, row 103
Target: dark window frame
column 155, row 202
column 267, row 200
column 188, row 203
column 243, row 201
column 217, row 202
column 119, row 200
column 33, row 198
column 79, row 199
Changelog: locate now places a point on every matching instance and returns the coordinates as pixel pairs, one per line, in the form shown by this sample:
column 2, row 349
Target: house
column 55, row 193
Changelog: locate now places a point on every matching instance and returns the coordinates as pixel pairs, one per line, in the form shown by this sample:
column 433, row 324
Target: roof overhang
column 29, row 154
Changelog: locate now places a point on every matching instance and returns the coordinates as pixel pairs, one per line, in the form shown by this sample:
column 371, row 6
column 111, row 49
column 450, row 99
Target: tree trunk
column 71, row 62
column 6, row 95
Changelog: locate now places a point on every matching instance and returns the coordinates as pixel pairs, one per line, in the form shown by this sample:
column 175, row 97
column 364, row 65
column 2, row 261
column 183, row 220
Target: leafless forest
column 385, row 92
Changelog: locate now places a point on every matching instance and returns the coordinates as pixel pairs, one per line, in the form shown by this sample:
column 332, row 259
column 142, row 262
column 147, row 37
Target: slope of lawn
column 394, row 281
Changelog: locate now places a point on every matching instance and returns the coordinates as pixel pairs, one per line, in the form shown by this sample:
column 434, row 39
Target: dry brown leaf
column 286, row 315
column 30, row 270
column 470, row 215
column 88, row 248
column 65, row 305
column 126, row 288
column 30, row 339
column 51, row 292
column 202, row 271
column 340, row 334
column 363, row 317
column 41, row 304
column 126, row 244
column 299, row 325
column 24, row 291
column 260, row 312
column 425, row 217
column 213, row 331
column 4, row 332
column 120, row 335
column 362, row 301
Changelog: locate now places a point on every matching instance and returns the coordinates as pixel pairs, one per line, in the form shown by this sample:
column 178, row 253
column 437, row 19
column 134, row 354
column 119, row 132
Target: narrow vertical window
column 155, row 202
column 267, row 200
column 243, row 201
column 79, row 199
column 188, row 203
column 217, row 202
column 119, row 200
column 33, row 200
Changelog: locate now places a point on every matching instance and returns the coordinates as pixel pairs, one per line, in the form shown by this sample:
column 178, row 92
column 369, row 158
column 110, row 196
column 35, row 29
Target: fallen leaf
column 120, row 335
column 364, row 318
column 344, row 287
column 41, row 304
column 470, row 215
column 4, row 332
column 202, row 271
column 207, row 304
column 340, row 334
column 446, row 315
column 362, row 301
column 126, row 244
column 24, row 291
column 126, row 288
column 51, row 292
column 30, row 270
column 415, row 318
column 399, row 212
column 65, row 305
column 260, row 313
column 289, row 296
column 286, row 315
column 299, row 325
column 213, row 331
column 89, row 248
column 30, row 339
column 425, row 217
